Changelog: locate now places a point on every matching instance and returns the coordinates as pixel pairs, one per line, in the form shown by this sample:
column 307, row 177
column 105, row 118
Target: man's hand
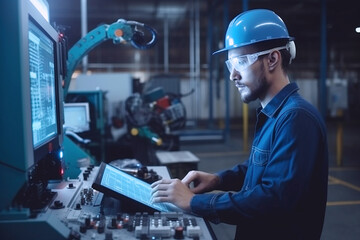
column 173, row 191
column 202, row 181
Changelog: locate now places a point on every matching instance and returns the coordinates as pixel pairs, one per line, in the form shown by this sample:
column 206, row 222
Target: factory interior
column 136, row 86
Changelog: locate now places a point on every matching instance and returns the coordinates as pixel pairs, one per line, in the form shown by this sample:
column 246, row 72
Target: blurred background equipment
column 121, row 31
column 94, row 138
column 153, row 120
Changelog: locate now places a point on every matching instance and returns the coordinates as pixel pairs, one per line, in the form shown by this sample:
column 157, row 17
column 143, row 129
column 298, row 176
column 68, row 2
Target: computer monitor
column 77, row 117
column 30, row 96
column 46, row 105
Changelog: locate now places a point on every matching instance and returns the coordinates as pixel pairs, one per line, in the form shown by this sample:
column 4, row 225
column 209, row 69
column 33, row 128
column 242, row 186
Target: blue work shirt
column 280, row 192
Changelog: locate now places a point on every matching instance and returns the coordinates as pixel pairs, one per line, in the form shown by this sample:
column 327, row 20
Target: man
column 280, row 192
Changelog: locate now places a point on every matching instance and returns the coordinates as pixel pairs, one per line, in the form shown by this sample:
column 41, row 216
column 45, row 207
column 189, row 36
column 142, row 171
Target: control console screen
column 42, row 85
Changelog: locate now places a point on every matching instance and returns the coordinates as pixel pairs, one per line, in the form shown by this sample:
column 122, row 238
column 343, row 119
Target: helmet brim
column 247, row 44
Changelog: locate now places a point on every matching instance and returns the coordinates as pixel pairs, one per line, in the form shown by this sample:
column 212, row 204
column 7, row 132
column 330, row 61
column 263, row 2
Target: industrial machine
column 32, row 132
column 121, row 31
column 153, row 118
column 140, row 36
column 80, row 211
column 36, row 202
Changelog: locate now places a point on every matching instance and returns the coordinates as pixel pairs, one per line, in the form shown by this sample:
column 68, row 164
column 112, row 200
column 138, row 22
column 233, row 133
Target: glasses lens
column 239, row 63
column 242, row 61
column 229, row 65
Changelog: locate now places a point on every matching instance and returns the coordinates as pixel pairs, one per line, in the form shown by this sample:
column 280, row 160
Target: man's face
column 250, row 80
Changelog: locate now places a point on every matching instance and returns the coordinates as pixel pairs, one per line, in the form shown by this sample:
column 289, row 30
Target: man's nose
column 234, row 75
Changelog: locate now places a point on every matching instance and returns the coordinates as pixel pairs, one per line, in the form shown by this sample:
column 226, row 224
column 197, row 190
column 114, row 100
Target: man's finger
column 154, row 184
column 162, row 181
column 159, row 187
column 160, row 199
column 188, row 178
column 160, row 196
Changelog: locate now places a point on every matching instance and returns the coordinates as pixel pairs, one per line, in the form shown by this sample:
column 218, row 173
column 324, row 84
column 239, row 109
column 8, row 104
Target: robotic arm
column 121, row 31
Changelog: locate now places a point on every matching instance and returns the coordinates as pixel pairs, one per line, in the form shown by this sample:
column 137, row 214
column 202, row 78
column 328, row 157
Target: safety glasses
column 239, row 63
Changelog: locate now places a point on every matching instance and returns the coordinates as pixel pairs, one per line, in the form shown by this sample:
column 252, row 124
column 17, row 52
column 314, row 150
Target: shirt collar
column 279, row 99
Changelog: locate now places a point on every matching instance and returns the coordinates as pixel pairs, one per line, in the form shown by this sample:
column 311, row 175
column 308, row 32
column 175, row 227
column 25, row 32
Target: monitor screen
column 77, row 117
column 42, row 84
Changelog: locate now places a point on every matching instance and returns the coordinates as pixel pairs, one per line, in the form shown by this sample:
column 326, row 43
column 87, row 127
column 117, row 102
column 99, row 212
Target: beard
column 256, row 89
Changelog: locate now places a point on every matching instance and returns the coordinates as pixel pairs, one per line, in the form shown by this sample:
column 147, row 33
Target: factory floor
column 342, row 220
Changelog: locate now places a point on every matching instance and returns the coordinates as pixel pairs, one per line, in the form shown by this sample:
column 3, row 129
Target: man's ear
column 273, row 60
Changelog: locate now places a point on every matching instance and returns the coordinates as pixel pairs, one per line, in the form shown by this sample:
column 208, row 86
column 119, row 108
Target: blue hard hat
column 254, row 26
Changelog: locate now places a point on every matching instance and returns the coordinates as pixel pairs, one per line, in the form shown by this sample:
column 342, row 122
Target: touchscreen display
column 113, row 181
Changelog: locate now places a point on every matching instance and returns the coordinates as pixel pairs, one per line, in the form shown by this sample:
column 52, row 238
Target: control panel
column 136, row 226
column 89, row 214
